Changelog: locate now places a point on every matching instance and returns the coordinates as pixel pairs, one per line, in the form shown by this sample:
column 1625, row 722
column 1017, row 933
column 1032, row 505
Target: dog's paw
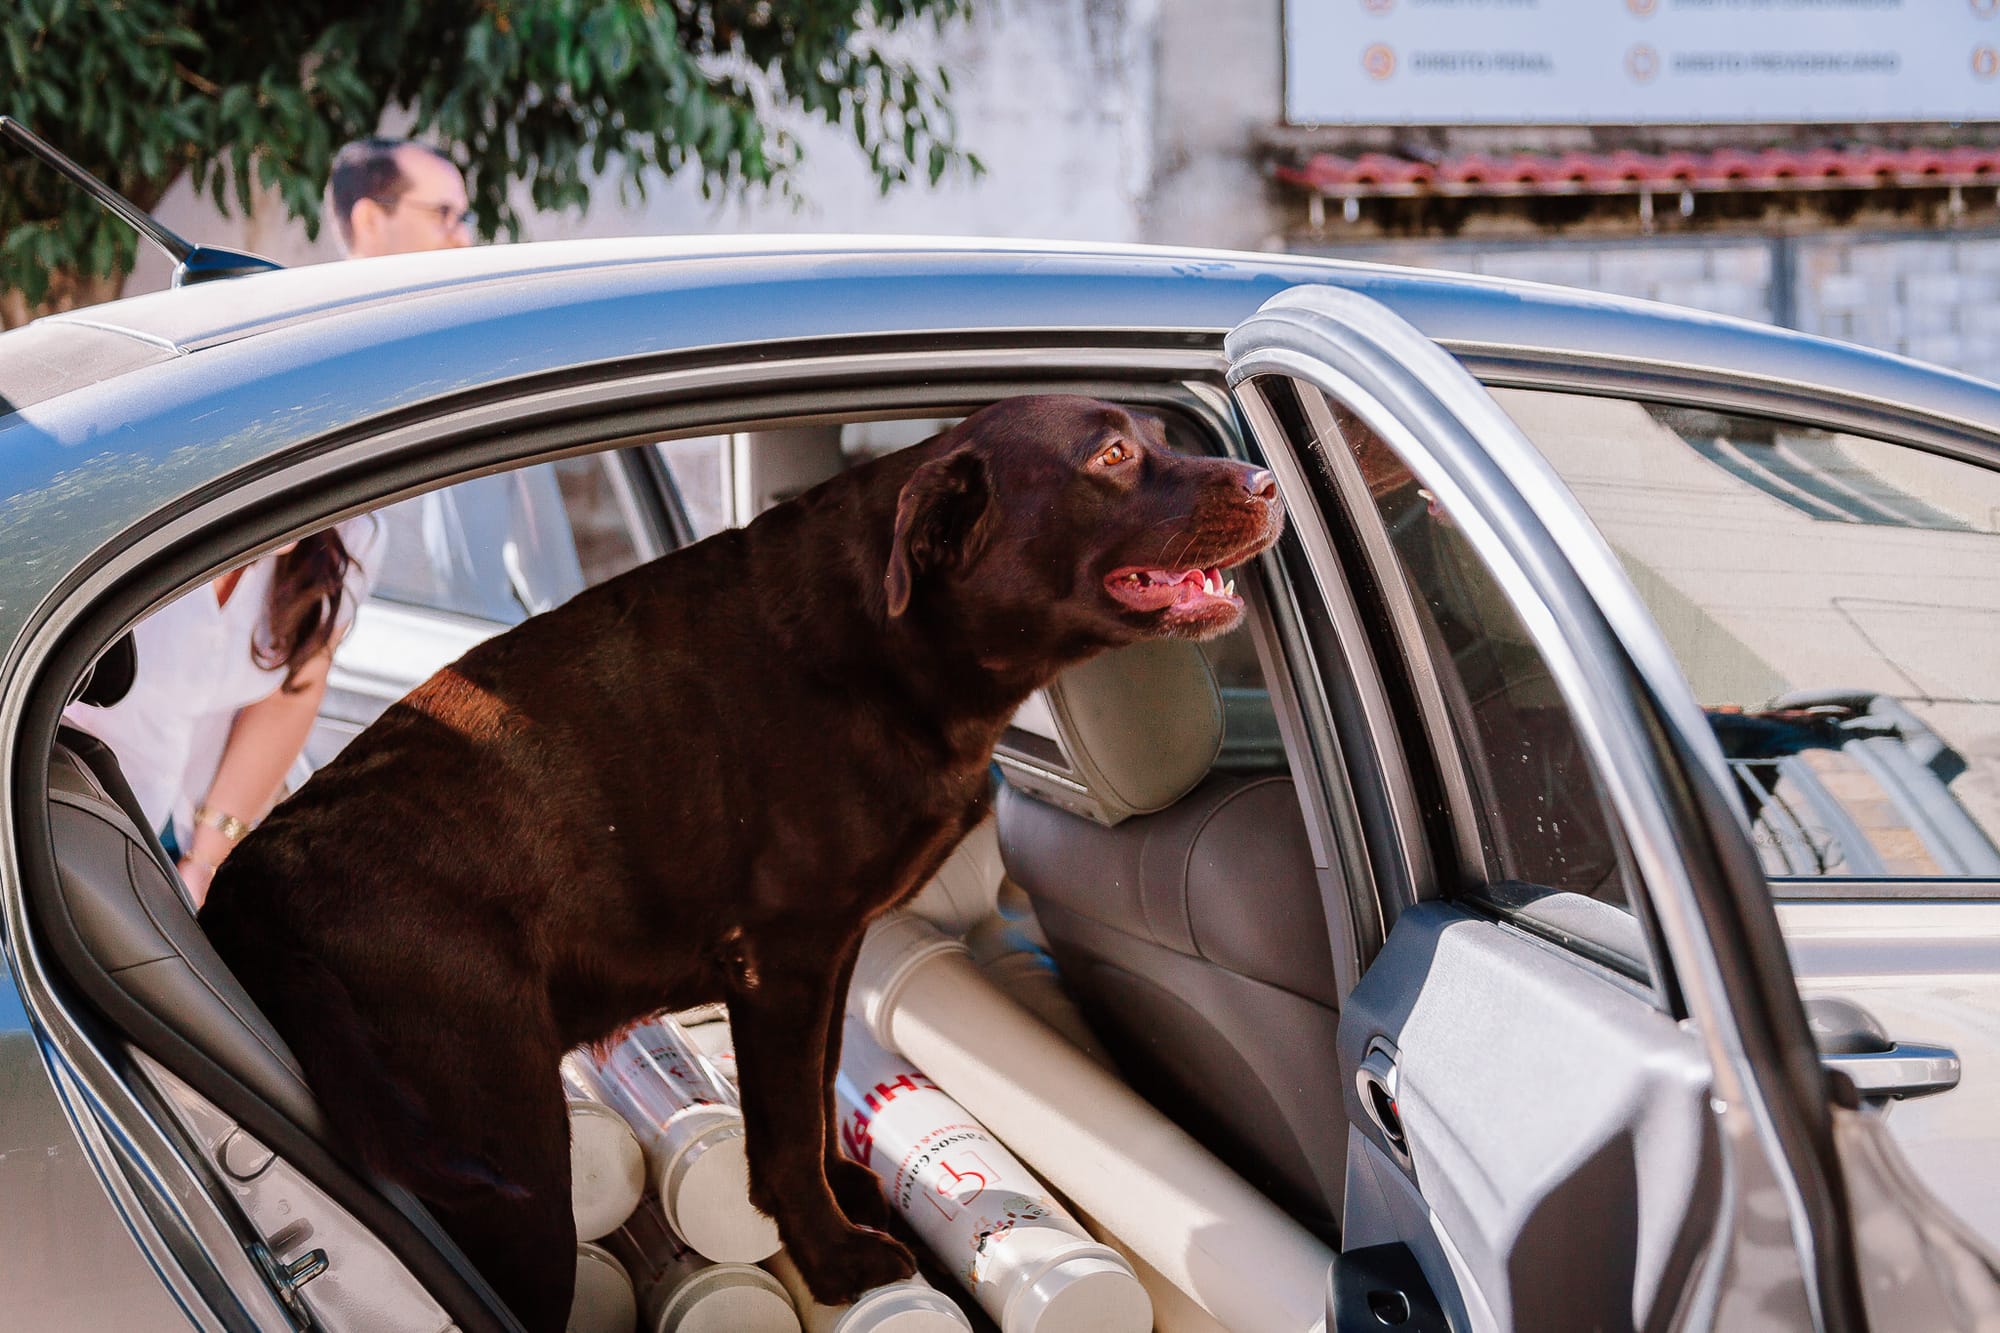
column 841, row 1267
column 858, row 1191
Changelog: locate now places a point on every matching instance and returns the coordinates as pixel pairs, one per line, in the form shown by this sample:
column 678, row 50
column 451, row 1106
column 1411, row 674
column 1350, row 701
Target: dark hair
column 306, row 592
column 367, row 169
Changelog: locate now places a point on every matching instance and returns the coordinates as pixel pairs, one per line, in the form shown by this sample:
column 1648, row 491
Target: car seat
column 124, row 930
column 1184, row 909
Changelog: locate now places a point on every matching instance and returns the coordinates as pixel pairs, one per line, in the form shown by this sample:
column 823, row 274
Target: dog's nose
column 1262, row 483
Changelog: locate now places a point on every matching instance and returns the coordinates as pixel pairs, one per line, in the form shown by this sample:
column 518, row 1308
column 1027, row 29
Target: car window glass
column 1835, row 603
column 699, row 471
column 1251, row 742
column 458, row 563
column 1548, row 857
column 726, row 480
column 500, row 548
column 495, row 548
column 603, row 514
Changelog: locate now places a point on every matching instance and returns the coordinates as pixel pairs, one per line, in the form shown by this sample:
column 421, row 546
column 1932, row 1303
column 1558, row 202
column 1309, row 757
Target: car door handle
column 1906, row 1069
column 1852, row 1042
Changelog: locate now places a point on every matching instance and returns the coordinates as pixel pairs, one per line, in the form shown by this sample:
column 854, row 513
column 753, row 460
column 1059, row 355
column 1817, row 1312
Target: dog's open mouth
column 1184, row 590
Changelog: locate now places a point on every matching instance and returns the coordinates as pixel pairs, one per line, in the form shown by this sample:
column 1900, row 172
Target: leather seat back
column 1194, row 938
column 125, row 932
column 124, row 906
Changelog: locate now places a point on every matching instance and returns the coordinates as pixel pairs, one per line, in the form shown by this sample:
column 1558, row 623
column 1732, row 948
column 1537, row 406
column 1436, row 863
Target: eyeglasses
column 448, row 216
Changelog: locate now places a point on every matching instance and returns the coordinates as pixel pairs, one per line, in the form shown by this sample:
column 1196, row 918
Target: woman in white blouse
column 229, row 680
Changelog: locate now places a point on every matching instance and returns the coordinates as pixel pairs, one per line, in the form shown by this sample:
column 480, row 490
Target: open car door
column 1581, row 1088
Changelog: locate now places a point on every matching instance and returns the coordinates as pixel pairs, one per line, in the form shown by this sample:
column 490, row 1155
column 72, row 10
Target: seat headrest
column 110, row 677
column 1126, row 733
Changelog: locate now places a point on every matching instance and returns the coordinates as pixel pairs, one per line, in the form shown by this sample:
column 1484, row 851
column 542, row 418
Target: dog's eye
column 1114, row 454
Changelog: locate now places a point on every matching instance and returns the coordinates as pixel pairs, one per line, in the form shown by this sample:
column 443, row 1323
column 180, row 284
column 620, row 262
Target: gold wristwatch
column 228, row 825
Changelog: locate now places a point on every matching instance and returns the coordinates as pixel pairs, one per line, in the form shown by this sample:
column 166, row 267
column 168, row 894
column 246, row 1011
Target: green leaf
column 546, row 95
column 17, row 52
column 236, row 103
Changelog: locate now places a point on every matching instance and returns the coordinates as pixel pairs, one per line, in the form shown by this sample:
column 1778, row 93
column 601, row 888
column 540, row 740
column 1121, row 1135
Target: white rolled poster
column 996, row 1228
column 686, row 1119
column 607, row 1168
column 910, row 1306
column 603, row 1301
column 681, row 1292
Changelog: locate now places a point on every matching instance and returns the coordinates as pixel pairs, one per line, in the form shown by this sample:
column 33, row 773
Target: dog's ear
column 941, row 522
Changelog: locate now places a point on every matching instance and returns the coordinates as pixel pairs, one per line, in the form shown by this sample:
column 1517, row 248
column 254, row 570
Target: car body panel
column 70, row 1257
column 1927, row 971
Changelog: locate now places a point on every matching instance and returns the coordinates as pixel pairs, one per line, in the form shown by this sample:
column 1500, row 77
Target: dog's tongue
column 1177, row 586
column 1202, row 580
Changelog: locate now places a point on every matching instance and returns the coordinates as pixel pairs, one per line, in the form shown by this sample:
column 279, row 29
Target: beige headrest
column 1127, row 733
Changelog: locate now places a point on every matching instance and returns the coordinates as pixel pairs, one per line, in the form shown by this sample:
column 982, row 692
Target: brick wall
column 1934, row 298
column 1929, row 296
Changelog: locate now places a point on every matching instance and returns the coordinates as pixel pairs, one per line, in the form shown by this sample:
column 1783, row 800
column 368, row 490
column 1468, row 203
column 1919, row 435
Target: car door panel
column 1601, row 1113
column 1534, row 673
column 1926, row 971
column 1830, row 593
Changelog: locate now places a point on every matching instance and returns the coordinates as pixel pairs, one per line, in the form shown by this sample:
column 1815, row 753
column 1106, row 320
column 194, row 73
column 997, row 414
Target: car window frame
column 1791, row 402
column 317, row 481
column 1443, row 812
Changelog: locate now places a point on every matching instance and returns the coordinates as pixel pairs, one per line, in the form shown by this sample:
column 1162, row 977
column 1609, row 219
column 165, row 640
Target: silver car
column 1582, row 913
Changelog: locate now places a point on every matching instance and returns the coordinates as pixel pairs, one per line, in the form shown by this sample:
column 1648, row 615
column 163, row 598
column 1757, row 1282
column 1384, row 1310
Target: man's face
column 424, row 217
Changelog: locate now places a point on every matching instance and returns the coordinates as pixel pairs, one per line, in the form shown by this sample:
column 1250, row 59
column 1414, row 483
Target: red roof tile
column 1626, row 172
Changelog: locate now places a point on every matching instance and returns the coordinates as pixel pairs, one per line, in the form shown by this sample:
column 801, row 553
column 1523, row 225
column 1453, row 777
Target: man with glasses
column 445, row 548
column 396, row 196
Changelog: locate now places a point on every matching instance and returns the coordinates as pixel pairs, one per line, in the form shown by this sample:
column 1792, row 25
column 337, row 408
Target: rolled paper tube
column 680, row 1292
column 686, row 1120
column 1109, row 1151
column 996, row 1228
column 1029, row 977
column 607, row 1168
column 914, row 1306
column 1173, row 1310
column 966, row 887
column 712, row 1038
column 604, row 1302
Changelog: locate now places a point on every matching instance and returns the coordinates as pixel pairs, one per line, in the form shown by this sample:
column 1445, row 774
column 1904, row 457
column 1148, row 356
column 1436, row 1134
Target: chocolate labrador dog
column 698, row 781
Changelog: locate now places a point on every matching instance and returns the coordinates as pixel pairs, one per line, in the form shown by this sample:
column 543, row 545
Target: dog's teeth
column 1208, row 585
column 1229, row 588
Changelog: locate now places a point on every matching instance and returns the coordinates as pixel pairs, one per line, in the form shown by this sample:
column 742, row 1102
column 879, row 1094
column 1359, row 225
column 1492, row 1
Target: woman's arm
column 263, row 741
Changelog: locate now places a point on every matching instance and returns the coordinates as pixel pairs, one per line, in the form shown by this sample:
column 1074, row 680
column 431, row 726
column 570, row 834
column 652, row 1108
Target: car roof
column 1138, row 286
column 108, row 411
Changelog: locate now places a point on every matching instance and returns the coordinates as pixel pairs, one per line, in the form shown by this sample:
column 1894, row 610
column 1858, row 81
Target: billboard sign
column 1494, row 62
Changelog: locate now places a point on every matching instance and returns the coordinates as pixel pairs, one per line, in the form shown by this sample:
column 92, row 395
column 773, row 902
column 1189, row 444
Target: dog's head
column 1066, row 524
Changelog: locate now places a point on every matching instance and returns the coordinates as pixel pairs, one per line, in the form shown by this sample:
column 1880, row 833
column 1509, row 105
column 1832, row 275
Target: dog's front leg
column 855, row 1187
column 781, row 1006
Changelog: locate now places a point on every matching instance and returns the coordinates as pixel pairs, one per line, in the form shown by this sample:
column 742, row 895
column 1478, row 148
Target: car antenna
column 192, row 263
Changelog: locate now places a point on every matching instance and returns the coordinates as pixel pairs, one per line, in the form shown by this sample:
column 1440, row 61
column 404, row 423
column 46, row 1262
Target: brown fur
column 697, row 781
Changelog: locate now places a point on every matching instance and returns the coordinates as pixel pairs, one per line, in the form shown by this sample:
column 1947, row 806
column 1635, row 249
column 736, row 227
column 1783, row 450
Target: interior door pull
column 1376, row 1082
column 1906, row 1069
